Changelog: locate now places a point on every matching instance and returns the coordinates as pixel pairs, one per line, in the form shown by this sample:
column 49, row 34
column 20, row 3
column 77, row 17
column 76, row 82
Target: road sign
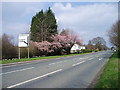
column 23, row 40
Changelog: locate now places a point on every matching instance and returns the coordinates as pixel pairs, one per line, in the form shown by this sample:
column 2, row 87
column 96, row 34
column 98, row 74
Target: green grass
column 37, row 58
column 109, row 77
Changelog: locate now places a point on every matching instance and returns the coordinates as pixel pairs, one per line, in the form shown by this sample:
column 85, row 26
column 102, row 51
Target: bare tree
column 98, row 43
column 98, row 40
column 9, row 51
column 0, row 48
column 114, row 35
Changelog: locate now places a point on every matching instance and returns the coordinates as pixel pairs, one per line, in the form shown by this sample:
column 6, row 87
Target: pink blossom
column 59, row 44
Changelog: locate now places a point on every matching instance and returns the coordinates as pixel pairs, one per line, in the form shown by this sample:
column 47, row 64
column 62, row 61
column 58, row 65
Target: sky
column 87, row 19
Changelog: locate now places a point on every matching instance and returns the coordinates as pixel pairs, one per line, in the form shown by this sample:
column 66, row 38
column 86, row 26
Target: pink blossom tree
column 48, row 48
column 60, row 44
column 66, row 41
column 43, row 47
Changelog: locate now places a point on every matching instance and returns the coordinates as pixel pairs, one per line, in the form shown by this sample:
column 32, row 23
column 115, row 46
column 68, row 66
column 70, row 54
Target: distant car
column 113, row 49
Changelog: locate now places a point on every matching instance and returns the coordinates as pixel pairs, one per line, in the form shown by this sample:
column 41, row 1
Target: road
column 66, row 72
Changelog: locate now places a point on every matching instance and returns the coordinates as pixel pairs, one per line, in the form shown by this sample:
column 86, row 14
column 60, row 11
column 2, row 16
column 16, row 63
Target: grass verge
column 109, row 77
column 37, row 58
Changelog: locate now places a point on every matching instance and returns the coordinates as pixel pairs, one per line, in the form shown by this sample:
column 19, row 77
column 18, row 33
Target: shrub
column 86, row 50
column 96, row 50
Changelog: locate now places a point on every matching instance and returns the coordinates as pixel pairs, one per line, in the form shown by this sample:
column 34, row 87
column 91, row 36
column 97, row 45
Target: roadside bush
column 96, row 50
column 33, row 50
column 23, row 52
column 86, row 50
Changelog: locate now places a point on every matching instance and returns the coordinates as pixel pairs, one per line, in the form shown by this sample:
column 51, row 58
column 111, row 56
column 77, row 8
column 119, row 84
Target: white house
column 76, row 48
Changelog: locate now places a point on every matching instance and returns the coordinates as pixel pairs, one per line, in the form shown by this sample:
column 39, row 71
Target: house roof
column 77, row 47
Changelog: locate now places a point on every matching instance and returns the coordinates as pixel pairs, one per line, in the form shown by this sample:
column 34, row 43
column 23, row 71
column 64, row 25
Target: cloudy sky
column 87, row 19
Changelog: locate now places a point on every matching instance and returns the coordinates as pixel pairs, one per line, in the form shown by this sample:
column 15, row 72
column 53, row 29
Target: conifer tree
column 43, row 25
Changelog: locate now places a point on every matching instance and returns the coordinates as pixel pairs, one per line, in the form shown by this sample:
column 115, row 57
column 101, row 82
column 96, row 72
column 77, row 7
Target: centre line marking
column 16, row 70
column 56, row 63
column 35, row 78
column 51, row 63
column 65, row 61
column 100, row 58
column 78, row 63
column 59, row 62
column 91, row 58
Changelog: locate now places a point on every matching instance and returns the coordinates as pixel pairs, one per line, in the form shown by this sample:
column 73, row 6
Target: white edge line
column 16, row 70
column 7, row 66
column 14, row 65
column 35, row 78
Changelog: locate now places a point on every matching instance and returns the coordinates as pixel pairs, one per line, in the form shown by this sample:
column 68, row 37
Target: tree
column 98, row 43
column 98, row 40
column 114, row 35
column 43, row 25
column 51, row 23
column 36, row 27
column 65, row 32
column 43, row 47
column 71, row 34
column 90, row 46
column 66, row 41
column 0, row 48
column 9, row 51
column 60, row 44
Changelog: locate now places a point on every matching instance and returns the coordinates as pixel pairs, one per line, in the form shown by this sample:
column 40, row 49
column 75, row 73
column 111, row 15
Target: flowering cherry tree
column 43, row 47
column 60, row 44
column 66, row 41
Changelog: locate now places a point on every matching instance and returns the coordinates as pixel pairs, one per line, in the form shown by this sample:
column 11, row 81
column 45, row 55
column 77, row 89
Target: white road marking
column 55, row 63
column 90, row 59
column 78, row 63
column 22, row 63
column 65, row 61
column 16, row 70
column 35, row 78
column 51, row 63
column 15, row 65
column 7, row 66
column 100, row 58
column 59, row 62
column 81, row 58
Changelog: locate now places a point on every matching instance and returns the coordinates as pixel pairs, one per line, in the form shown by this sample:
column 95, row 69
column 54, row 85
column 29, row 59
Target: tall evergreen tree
column 43, row 25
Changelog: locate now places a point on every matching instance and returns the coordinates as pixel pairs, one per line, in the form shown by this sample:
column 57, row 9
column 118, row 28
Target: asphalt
column 66, row 72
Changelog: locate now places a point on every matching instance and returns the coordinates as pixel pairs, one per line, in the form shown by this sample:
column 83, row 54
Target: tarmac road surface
column 66, row 72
